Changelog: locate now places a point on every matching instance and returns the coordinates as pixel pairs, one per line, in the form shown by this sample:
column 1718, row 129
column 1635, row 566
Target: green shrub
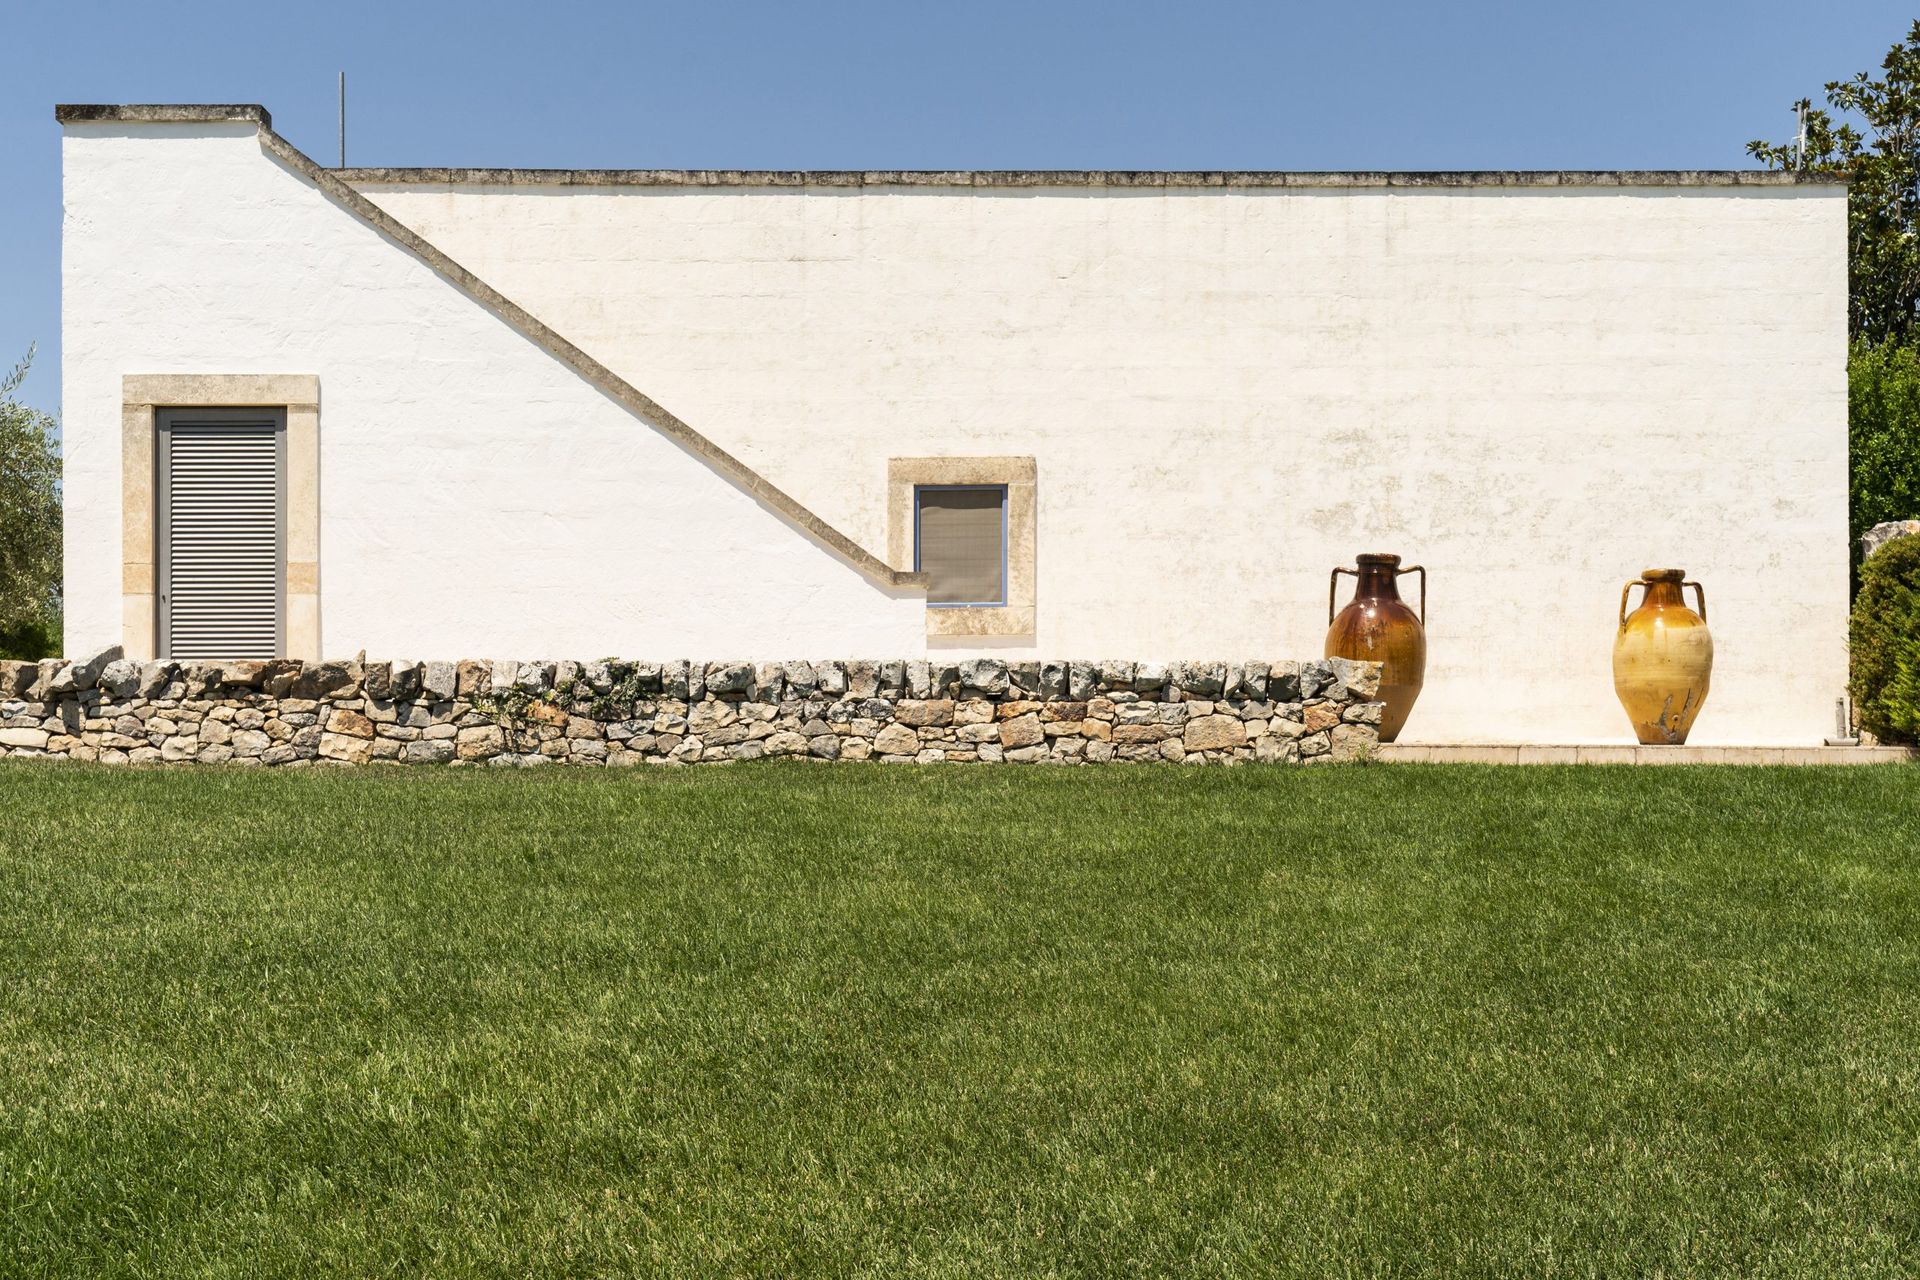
column 34, row 639
column 1883, row 429
column 1886, row 642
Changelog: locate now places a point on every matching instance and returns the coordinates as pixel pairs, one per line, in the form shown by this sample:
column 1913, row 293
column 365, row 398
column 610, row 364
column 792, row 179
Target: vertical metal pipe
column 343, row 119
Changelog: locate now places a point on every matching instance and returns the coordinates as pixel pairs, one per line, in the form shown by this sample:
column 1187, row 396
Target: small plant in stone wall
column 510, row 710
column 518, row 708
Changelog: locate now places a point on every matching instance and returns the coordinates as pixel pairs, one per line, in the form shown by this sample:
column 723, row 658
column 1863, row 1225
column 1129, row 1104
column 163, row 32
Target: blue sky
column 1386, row 85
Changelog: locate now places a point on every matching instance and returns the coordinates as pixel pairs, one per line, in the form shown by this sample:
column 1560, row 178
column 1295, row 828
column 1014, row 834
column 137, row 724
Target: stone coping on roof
column 1101, row 178
column 163, row 113
column 70, row 113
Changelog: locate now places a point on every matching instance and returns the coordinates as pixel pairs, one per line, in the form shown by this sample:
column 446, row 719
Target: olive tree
column 1870, row 131
column 29, row 524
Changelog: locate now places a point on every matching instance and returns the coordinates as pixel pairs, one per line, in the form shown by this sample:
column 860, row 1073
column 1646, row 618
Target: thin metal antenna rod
column 343, row 119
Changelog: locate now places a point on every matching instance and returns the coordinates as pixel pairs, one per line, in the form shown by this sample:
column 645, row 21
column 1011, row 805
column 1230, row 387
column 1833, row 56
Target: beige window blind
column 222, row 529
column 960, row 543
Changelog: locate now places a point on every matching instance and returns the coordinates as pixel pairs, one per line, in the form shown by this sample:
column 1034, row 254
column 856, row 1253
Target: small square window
column 960, row 543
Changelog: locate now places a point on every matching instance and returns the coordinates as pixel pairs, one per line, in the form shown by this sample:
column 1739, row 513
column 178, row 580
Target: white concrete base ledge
column 1623, row 753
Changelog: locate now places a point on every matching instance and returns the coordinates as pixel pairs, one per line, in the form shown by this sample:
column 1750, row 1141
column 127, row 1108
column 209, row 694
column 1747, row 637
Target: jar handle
column 1624, row 593
column 1422, row 571
column 1333, row 587
column 1699, row 594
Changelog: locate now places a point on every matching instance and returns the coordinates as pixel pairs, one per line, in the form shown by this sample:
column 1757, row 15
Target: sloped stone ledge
column 506, row 713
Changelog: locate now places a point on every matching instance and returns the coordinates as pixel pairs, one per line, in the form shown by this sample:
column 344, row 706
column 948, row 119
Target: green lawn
column 864, row 1020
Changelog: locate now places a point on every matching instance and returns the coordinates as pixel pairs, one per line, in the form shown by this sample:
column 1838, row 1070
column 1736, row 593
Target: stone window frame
column 142, row 396
column 1018, row 476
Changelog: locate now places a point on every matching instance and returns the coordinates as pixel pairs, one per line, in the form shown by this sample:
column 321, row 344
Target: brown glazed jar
column 1662, row 658
column 1376, row 626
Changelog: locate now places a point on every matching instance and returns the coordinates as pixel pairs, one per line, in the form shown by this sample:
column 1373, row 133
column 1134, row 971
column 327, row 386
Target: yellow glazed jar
column 1662, row 658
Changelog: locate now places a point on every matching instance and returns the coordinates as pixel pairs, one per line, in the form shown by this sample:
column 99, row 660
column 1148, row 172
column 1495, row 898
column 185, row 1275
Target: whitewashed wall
column 1536, row 392
column 477, row 498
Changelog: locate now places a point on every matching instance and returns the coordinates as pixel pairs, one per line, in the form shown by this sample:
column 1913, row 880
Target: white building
column 541, row 413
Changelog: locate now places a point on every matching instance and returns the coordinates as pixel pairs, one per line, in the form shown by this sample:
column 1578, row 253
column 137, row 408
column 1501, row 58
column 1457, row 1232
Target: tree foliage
column 1883, row 429
column 29, row 522
column 1881, row 156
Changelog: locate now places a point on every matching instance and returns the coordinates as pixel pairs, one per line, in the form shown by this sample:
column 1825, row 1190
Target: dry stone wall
column 116, row 711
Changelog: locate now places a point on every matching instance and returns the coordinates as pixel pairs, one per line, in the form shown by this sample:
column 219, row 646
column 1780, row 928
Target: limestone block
column 983, row 677
column 118, row 679
column 345, row 748
column 1054, row 677
column 1215, row 733
column 895, row 740
column 75, row 676
column 1022, row 731
column 1083, row 679
column 350, row 724
column 920, row 713
column 1321, row 715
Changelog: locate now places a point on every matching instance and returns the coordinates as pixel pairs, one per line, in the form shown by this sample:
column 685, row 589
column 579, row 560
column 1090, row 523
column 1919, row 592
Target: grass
column 884, row 1021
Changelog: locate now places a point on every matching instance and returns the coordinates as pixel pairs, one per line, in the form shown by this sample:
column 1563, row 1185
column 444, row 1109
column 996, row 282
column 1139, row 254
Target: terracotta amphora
column 1376, row 626
column 1662, row 657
